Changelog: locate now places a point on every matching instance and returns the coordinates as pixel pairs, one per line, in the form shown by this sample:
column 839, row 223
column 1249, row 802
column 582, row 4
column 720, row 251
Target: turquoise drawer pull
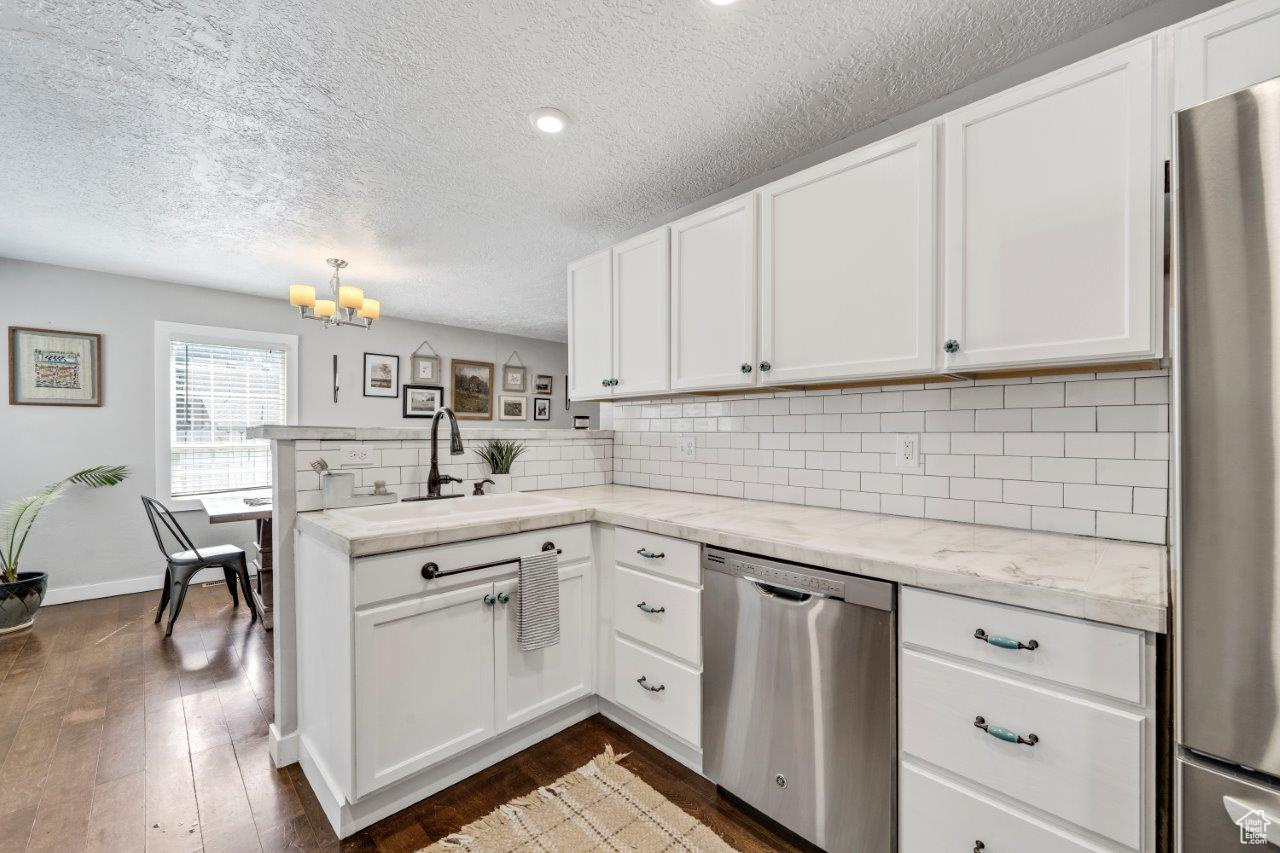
column 1004, row 734
column 649, row 608
column 650, row 555
column 1005, row 642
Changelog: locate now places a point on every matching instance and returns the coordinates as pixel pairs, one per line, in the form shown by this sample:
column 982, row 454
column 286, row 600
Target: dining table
column 249, row 505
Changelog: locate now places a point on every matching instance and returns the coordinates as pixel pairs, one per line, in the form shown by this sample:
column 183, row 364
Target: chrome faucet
column 434, row 479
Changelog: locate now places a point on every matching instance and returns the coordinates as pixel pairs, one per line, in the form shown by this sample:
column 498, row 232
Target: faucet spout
column 455, row 448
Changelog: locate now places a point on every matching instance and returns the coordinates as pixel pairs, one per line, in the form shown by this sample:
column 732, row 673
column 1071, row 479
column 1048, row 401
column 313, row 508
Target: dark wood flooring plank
column 117, row 819
column 226, row 821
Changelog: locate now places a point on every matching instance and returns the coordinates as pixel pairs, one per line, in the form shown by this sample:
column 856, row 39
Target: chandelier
column 348, row 307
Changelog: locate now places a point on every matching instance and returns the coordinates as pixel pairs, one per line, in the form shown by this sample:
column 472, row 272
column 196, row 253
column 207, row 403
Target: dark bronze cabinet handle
column 1004, row 642
column 644, row 682
column 745, row 368
column 952, row 346
column 765, row 367
column 430, row 571
column 649, row 608
column 650, row 555
column 1004, row 734
column 978, row 846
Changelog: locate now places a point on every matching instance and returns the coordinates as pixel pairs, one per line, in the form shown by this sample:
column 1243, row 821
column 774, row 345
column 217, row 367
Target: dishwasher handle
column 777, row 590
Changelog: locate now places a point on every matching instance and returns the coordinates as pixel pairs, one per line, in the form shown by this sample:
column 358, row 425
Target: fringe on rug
column 507, row 813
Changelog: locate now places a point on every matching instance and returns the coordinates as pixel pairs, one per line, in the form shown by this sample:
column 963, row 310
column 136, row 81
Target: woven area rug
column 599, row 806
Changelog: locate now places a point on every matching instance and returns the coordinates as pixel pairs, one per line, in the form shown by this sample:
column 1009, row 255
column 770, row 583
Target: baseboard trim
column 84, row 592
column 283, row 748
column 687, row 754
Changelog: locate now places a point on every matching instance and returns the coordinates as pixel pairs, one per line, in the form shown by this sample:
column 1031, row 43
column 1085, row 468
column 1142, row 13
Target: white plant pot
column 501, row 484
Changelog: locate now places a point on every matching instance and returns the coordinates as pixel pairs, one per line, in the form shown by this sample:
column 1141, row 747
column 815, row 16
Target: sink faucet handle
column 479, row 486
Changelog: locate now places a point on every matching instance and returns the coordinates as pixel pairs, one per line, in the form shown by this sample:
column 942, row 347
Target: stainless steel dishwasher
column 799, row 711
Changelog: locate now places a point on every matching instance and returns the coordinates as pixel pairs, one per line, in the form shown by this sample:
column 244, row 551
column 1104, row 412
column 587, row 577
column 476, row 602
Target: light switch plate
column 684, row 448
column 357, row 454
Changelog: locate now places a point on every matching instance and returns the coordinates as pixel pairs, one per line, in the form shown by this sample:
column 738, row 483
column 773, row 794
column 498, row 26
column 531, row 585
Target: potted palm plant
column 500, row 454
column 22, row 592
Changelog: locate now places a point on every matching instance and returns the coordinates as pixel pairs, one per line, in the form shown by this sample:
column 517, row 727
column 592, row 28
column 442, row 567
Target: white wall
column 97, row 542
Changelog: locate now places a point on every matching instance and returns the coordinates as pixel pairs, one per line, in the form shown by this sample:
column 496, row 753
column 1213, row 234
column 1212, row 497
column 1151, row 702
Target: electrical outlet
column 684, row 448
column 907, row 453
column 357, row 454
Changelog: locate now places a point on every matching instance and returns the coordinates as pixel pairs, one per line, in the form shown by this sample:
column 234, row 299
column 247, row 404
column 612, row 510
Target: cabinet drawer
column 675, row 628
column 935, row 814
column 677, row 707
column 1086, row 765
column 1088, row 655
column 387, row 576
column 673, row 558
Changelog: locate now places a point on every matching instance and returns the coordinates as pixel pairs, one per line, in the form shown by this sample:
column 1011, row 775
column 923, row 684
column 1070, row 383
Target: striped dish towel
column 538, row 614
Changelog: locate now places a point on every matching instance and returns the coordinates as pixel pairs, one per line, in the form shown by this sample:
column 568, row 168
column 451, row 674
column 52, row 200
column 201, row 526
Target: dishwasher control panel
column 770, row 572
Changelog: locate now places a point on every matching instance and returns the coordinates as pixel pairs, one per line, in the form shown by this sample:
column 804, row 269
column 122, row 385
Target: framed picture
column 422, row 401
column 424, row 368
column 381, row 375
column 542, row 383
column 472, row 389
column 513, row 378
column 512, row 408
column 54, row 368
column 542, row 408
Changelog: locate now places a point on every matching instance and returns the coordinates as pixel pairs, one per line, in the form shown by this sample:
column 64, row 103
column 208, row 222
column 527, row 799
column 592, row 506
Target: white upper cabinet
column 641, row 321
column 713, row 297
column 591, row 326
column 1227, row 49
column 1050, row 218
column 847, row 272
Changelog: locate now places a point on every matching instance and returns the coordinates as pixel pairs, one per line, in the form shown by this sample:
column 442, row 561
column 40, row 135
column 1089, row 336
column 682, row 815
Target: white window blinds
column 218, row 392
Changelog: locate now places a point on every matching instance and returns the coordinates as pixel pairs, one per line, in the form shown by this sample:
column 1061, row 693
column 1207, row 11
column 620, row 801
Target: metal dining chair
column 183, row 563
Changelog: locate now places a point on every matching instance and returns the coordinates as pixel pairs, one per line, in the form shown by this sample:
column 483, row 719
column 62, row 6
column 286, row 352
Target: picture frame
column 422, row 401
column 424, row 369
column 514, row 378
column 542, row 384
column 381, row 375
column 471, row 386
column 54, row 367
column 512, row 408
column 542, row 408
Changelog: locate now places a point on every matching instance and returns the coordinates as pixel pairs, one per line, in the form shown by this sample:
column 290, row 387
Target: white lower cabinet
column 424, row 683
column 531, row 683
column 665, row 692
column 939, row 814
column 1006, row 737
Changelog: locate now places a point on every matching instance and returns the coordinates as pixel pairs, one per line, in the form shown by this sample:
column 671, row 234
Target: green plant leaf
column 19, row 516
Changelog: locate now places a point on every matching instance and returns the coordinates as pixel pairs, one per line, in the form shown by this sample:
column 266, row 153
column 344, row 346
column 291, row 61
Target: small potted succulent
column 500, row 454
column 22, row 592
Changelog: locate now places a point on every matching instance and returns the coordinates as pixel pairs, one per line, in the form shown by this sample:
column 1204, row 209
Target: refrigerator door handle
column 1238, row 810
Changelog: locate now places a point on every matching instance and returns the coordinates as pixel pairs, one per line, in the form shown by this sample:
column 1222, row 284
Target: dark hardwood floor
column 114, row 739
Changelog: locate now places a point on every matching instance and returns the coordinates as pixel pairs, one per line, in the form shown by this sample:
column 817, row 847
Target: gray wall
column 101, row 537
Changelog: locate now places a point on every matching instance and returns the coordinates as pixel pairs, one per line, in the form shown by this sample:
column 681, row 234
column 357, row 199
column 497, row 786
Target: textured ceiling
column 237, row 143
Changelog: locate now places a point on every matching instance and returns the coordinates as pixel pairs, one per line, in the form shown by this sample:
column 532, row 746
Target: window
column 214, row 384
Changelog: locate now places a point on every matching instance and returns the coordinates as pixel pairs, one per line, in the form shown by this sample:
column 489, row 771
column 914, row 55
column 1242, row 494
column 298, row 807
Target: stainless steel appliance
column 1228, row 366
column 799, row 715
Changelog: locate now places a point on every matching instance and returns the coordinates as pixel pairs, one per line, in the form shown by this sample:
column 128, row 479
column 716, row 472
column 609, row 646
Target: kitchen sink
column 407, row 514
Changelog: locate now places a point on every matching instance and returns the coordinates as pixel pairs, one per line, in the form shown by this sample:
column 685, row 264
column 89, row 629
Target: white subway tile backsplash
column 1034, row 396
column 1076, row 453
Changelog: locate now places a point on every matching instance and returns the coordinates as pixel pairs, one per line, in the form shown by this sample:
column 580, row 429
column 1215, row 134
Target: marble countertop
column 1120, row 583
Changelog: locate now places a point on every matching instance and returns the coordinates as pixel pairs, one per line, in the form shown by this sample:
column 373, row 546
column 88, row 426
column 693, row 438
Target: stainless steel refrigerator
column 1228, row 366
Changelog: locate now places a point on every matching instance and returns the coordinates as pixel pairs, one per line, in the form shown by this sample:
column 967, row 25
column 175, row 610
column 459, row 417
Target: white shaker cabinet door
column 424, row 682
column 530, row 684
column 847, row 272
column 641, row 322
column 591, row 326
column 713, row 297
column 1225, row 50
column 1050, row 218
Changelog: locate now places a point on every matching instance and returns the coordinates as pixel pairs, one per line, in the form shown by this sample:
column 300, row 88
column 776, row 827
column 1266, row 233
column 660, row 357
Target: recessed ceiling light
column 548, row 119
